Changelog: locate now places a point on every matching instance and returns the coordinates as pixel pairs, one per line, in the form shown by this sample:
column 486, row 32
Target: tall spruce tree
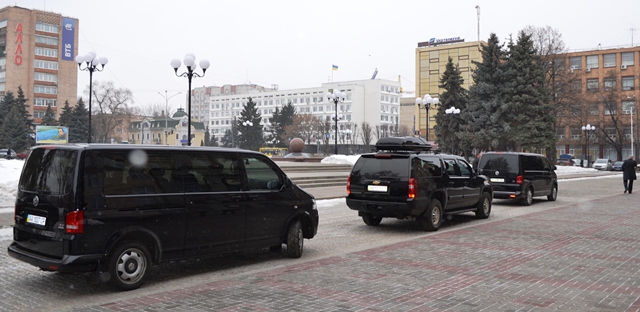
column 533, row 116
column 486, row 110
column 15, row 134
column 449, row 126
column 49, row 118
column 79, row 124
column 21, row 102
column 251, row 135
column 6, row 105
column 66, row 114
column 279, row 122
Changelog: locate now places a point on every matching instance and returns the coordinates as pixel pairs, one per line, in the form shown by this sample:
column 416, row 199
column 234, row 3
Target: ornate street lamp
column 92, row 63
column 190, row 62
column 426, row 104
column 452, row 111
column 588, row 129
column 336, row 97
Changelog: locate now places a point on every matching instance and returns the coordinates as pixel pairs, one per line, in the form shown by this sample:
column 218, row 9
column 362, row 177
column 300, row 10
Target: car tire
column 129, row 265
column 295, row 240
column 528, row 197
column 484, row 206
column 370, row 219
column 554, row 193
column 432, row 218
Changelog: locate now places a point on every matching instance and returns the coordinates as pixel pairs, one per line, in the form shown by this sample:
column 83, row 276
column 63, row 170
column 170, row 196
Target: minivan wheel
column 129, row 265
column 370, row 219
column 484, row 206
column 295, row 240
column 554, row 193
column 432, row 218
column 528, row 197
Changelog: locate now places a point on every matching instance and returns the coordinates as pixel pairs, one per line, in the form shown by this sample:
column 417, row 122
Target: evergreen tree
column 279, row 122
column 49, row 117
column 5, row 105
column 227, row 139
column 486, row 112
column 21, row 102
column 79, row 124
column 15, row 134
column 65, row 115
column 448, row 126
column 251, row 135
column 528, row 102
column 207, row 137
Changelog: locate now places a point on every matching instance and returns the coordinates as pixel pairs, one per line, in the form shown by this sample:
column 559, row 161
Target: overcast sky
column 294, row 43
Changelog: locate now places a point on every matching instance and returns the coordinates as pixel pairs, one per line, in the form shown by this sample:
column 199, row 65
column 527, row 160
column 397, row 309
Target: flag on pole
column 334, row 67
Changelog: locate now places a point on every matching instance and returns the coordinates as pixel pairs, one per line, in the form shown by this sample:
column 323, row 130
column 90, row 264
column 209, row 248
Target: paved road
column 581, row 253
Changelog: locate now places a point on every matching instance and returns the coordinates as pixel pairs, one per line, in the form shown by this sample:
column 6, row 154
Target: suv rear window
column 49, row 171
column 500, row 162
column 370, row 167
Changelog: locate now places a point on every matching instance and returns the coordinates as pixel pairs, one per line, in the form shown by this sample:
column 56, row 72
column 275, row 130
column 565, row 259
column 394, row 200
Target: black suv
column 402, row 181
column 520, row 175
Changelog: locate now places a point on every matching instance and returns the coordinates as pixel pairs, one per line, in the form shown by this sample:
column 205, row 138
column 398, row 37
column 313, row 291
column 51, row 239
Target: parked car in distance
column 617, row 166
column 519, row 175
column 404, row 181
column 22, row 155
column 565, row 162
column 3, row 154
column 603, row 164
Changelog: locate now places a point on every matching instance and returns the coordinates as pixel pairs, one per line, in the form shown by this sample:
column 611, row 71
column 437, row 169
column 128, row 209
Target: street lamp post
column 588, row 129
column 190, row 62
column 452, row 111
column 246, row 124
column 426, row 104
column 92, row 63
column 336, row 97
column 166, row 113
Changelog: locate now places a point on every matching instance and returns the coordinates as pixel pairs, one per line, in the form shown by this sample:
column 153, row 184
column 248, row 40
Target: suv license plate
column 500, row 180
column 376, row 188
column 36, row 219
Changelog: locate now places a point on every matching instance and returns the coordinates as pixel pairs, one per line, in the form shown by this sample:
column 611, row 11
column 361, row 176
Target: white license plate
column 377, row 188
column 501, row 180
column 36, row 219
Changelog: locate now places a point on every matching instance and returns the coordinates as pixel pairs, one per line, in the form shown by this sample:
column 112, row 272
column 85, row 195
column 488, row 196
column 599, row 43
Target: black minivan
column 114, row 210
column 520, row 175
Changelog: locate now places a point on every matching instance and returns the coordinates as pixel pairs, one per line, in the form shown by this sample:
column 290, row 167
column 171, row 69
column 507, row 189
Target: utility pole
column 166, row 112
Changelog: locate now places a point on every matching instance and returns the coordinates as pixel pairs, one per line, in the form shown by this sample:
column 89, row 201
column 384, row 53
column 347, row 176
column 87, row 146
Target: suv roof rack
column 406, row 144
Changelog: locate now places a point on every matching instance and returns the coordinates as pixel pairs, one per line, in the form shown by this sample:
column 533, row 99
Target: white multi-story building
column 374, row 101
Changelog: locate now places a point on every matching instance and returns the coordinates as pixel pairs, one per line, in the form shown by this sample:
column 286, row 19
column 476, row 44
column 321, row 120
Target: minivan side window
column 124, row 173
column 215, row 172
column 533, row 163
column 260, row 174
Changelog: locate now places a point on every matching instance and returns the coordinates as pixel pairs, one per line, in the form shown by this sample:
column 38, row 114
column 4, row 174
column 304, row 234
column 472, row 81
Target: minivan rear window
column 49, row 171
column 500, row 162
column 375, row 168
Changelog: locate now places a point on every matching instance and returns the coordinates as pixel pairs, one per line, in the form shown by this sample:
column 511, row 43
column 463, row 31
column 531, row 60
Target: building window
column 609, row 60
column 576, row 133
column 592, row 84
column 611, row 133
column 627, row 58
column 609, row 108
column 45, row 77
column 627, row 106
column 576, row 62
column 592, row 61
column 576, row 85
column 560, row 133
column 44, row 102
column 609, row 83
column 593, row 109
column 46, row 40
column 45, row 89
column 45, row 64
column 628, row 83
column 47, row 27
column 46, row 52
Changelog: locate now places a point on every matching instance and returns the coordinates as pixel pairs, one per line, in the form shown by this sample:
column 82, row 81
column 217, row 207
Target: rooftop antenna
column 632, row 29
column 478, row 9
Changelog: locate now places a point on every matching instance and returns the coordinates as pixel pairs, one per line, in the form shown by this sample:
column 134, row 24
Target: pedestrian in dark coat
column 629, row 173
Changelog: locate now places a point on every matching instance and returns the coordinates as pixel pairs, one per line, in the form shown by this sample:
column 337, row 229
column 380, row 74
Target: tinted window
column 261, row 175
column 425, row 167
column 500, row 162
column 452, row 167
column 49, row 171
column 465, row 168
column 375, row 168
column 138, row 172
column 532, row 163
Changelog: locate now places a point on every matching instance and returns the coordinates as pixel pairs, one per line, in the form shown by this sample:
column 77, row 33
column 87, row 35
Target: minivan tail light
column 413, row 187
column 349, row 185
column 519, row 179
column 75, row 222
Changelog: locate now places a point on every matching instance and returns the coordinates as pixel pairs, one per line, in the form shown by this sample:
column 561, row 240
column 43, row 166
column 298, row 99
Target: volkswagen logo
column 36, row 201
column 497, row 172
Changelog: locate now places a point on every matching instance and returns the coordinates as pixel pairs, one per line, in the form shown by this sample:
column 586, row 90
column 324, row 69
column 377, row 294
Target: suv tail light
column 413, row 187
column 75, row 222
column 519, row 179
column 349, row 185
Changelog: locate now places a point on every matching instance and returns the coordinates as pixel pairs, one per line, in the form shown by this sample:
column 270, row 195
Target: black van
column 114, row 210
column 520, row 175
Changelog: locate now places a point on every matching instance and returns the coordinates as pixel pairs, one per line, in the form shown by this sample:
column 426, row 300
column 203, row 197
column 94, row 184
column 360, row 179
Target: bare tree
column 112, row 105
column 404, row 131
column 612, row 128
column 155, row 110
column 305, row 126
column 366, row 135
